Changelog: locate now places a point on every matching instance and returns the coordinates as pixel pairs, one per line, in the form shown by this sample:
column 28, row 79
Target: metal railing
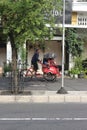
column 82, row 21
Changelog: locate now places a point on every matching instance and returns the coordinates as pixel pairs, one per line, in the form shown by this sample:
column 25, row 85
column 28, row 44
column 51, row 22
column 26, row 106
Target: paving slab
column 46, row 97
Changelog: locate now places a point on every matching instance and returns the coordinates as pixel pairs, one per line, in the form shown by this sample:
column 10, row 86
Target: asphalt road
column 43, row 116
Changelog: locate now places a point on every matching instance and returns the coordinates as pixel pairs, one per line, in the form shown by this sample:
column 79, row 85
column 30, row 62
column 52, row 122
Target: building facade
column 79, row 20
column 79, row 12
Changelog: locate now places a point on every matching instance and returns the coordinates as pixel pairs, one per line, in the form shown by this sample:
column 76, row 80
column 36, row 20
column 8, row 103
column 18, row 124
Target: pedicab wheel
column 49, row 76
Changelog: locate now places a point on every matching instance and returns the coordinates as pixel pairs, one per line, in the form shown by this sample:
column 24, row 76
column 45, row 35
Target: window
column 82, row 20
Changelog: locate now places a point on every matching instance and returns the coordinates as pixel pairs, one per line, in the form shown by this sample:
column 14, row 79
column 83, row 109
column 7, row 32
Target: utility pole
column 62, row 89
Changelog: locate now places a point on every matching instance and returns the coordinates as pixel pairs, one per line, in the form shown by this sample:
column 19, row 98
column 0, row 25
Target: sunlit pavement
column 41, row 84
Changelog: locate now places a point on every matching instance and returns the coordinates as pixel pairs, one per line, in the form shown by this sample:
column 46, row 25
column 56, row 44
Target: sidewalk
column 41, row 91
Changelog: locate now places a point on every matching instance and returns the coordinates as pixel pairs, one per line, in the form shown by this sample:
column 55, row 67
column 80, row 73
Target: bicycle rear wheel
column 30, row 73
column 23, row 73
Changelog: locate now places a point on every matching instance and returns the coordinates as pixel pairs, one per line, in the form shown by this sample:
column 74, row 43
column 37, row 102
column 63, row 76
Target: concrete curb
column 46, row 97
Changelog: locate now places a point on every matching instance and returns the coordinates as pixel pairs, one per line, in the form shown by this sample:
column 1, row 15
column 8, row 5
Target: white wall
column 55, row 47
column 79, row 6
column 8, row 52
column 2, row 56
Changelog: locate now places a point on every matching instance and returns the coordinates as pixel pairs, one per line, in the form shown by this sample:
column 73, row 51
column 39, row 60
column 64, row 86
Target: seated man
column 45, row 61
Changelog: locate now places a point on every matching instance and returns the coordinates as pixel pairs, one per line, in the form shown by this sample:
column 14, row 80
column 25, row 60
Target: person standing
column 35, row 60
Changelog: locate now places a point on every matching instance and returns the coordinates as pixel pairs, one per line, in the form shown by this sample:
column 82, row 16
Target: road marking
column 14, row 119
column 43, row 119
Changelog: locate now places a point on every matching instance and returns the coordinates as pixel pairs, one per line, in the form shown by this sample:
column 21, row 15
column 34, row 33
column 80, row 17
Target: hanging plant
column 73, row 42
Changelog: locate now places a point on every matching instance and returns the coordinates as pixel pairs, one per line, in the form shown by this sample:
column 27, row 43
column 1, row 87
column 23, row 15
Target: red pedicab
column 49, row 67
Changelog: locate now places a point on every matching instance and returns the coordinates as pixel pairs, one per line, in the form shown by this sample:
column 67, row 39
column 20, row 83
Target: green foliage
column 78, row 63
column 23, row 53
column 7, row 67
column 27, row 19
column 85, row 71
column 78, row 68
column 73, row 42
column 74, row 71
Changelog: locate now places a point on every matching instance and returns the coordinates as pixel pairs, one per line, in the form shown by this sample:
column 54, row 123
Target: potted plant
column 7, row 69
column 74, row 72
column 81, row 74
column 78, row 64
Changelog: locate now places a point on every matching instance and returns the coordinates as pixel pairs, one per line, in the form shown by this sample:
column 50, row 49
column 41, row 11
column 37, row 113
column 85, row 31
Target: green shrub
column 7, row 67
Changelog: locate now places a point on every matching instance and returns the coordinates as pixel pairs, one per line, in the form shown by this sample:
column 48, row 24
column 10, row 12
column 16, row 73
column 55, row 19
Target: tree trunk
column 14, row 68
column 26, row 52
column 15, row 88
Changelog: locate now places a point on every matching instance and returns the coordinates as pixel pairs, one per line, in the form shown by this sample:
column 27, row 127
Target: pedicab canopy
column 49, row 56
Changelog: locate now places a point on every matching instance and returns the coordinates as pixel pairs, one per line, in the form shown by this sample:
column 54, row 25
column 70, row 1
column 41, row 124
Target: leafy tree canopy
column 27, row 19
